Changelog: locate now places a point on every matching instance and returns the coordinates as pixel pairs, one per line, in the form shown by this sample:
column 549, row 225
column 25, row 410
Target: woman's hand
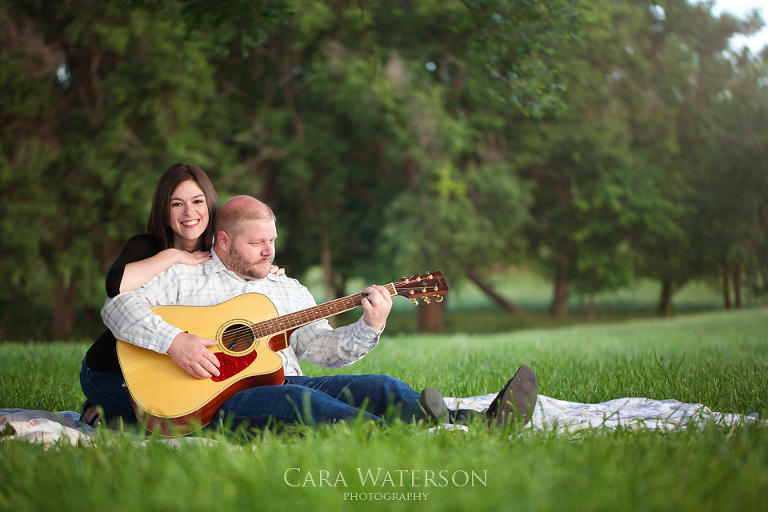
column 192, row 258
column 274, row 269
column 139, row 273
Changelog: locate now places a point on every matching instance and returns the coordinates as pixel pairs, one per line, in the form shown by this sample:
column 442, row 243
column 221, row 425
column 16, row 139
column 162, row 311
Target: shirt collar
column 215, row 265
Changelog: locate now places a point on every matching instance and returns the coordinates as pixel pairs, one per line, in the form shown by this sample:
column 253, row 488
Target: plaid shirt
column 129, row 317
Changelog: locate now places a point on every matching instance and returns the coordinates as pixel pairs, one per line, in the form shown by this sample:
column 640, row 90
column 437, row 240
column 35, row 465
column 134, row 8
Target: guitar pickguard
column 232, row 365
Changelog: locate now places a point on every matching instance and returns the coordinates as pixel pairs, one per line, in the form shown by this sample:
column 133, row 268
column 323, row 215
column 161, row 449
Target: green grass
column 717, row 359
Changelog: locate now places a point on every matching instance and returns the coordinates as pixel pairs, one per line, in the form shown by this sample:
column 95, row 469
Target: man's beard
column 240, row 266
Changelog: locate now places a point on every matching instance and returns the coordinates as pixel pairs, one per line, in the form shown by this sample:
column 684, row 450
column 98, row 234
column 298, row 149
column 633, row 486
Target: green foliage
column 618, row 184
column 108, row 111
column 220, row 19
column 349, row 134
column 599, row 141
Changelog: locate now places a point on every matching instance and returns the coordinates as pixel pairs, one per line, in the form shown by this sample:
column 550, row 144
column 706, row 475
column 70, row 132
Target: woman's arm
column 141, row 260
column 139, row 273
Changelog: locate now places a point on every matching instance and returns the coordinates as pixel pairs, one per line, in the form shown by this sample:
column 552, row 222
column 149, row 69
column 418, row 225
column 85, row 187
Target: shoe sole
column 433, row 404
column 518, row 398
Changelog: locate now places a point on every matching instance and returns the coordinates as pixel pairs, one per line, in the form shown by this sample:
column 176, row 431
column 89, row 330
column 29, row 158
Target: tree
column 733, row 183
column 614, row 193
column 365, row 112
column 719, row 175
column 582, row 164
column 95, row 104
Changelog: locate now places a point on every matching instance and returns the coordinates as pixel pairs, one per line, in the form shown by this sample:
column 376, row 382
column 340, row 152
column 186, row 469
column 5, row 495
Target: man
column 244, row 248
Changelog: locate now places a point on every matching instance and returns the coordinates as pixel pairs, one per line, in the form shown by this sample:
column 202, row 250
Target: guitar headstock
column 426, row 285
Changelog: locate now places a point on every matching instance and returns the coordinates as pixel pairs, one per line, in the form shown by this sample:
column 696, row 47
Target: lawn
column 719, row 359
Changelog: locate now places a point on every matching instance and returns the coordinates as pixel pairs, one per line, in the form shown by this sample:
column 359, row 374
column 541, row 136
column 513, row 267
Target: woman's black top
column 102, row 356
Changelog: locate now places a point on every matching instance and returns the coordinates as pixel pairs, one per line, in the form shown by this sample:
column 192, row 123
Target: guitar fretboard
column 307, row 316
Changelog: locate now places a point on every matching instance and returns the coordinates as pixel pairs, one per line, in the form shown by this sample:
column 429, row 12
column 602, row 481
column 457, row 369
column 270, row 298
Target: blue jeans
column 313, row 400
column 105, row 389
column 303, row 400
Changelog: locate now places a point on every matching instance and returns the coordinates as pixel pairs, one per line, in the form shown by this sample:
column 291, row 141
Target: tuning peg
column 439, row 298
column 415, row 302
column 426, row 299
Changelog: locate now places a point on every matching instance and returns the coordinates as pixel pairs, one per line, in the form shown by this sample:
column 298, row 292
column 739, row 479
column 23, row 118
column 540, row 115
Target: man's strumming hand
column 191, row 353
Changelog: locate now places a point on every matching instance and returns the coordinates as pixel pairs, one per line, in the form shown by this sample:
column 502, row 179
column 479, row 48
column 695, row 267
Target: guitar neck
column 307, row 316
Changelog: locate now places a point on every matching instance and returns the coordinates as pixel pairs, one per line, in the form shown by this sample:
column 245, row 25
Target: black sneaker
column 435, row 410
column 516, row 401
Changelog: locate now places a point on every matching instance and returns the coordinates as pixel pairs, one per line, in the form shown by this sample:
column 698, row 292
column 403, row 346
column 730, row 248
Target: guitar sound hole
column 237, row 337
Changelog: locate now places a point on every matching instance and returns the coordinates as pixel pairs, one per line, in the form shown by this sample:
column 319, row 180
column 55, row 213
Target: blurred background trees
column 593, row 143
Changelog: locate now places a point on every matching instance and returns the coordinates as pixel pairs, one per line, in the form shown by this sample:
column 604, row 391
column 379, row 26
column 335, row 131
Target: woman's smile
column 188, row 215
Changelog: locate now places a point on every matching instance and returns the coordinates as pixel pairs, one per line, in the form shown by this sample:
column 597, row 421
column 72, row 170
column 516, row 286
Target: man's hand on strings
column 377, row 304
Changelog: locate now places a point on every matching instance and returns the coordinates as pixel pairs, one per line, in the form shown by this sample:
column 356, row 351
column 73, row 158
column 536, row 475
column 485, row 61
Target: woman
column 179, row 230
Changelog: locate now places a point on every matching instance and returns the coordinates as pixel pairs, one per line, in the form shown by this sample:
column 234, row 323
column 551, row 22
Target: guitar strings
column 277, row 325
column 280, row 324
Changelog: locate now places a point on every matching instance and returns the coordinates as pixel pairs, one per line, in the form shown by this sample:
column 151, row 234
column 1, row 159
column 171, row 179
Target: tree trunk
column 737, row 285
column 508, row 306
column 7, row 314
column 269, row 183
column 665, row 301
column 64, row 309
column 726, row 292
column 340, row 287
column 765, row 279
column 559, row 300
column 431, row 317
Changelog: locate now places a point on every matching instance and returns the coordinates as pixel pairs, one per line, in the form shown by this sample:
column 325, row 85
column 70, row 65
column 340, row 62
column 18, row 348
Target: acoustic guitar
column 169, row 401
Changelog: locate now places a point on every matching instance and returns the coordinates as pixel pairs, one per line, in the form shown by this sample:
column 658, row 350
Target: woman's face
column 188, row 215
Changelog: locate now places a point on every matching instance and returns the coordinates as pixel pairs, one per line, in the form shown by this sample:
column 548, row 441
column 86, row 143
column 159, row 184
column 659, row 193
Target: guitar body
column 169, row 401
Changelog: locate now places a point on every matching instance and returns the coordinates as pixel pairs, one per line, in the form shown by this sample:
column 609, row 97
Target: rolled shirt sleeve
column 324, row 346
column 130, row 318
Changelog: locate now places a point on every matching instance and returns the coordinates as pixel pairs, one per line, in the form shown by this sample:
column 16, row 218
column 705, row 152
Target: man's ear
column 223, row 240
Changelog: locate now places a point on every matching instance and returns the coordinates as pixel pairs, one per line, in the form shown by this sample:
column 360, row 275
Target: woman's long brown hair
column 158, row 223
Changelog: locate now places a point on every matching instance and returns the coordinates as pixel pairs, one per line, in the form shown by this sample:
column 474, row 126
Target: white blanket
column 550, row 415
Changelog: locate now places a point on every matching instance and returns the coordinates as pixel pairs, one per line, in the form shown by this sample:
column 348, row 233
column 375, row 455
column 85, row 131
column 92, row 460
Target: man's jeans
column 313, row 400
column 302, row 400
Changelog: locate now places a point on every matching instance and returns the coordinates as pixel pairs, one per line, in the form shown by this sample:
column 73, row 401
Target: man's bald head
column 231, row 215
column 245, row 237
